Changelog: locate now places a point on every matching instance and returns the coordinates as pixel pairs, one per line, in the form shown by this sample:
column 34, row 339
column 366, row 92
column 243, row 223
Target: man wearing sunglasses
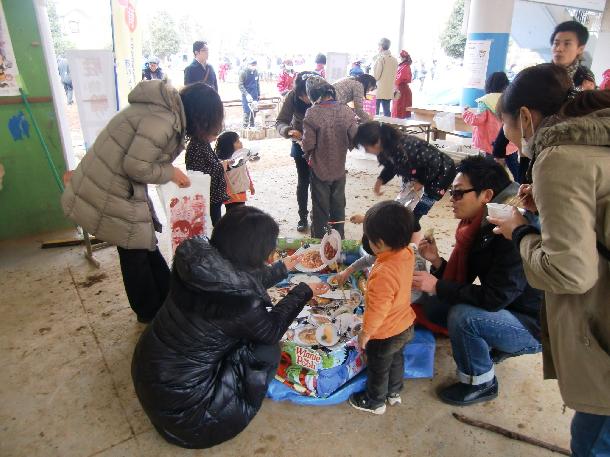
column 495, row 319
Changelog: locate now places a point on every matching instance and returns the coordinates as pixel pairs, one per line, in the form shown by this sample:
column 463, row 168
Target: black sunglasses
column 458, row 194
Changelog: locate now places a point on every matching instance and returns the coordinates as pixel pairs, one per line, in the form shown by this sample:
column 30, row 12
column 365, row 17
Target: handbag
column 238, row 179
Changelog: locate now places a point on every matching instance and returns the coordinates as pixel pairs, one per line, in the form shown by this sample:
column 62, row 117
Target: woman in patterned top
column 201, row 157
column 409, row 157
column 354, row 89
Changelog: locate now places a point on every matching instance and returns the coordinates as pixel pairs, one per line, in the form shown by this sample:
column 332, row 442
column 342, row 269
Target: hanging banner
column 127, row 38
column 476, row 58
column 94, row 89
column 336, row 66
column 9, row 74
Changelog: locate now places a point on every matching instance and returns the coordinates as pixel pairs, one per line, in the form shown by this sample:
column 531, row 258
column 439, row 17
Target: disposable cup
column 499, row 210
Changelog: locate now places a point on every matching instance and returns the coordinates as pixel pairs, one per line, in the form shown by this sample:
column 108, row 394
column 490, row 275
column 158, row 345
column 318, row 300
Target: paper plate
column 334, row 239
column 327, row 335
column 307, row 279
column 305, row 335
column 313, row 248
column 319, row 319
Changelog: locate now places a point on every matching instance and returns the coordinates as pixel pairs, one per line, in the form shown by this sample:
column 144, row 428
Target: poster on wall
column 336, row 66
column 476, row 58
column 9, row 74
column 94, row 89
column 127, row 38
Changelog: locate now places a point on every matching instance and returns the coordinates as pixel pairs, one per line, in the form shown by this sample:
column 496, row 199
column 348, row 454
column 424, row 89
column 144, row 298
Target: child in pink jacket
column 485, row 122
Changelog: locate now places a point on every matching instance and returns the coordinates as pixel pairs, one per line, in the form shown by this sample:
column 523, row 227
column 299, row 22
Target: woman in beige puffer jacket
column 568, row 134
column 107, row 193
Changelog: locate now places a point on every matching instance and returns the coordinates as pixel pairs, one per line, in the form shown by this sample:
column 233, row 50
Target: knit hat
column 317, row 88
column 153, row 59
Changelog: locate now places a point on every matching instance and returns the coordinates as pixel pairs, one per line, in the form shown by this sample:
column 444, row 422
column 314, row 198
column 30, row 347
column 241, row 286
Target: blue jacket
column 195, row 73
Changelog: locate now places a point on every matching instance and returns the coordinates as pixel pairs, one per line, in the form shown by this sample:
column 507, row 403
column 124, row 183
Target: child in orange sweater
column 388, row 316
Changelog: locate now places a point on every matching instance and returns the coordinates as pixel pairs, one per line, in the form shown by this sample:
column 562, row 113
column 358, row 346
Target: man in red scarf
column 488, row 321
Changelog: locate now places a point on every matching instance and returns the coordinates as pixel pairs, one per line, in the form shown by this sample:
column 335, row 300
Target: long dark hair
column 372, row 132
column 547, row 88
column 203, row 110
column 368, row 82
column 224, row 145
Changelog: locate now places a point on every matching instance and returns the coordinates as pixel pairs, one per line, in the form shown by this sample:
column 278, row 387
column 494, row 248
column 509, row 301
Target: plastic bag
column 444, row 121
column 187, row 210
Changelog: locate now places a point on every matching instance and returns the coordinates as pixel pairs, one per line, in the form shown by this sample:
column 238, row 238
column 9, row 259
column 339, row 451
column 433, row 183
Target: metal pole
column 401, row 32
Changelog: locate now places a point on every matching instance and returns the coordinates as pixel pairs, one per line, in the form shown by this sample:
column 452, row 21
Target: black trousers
column 215, row 213
column 328, row 204
column 385, row 366
column 146, row 280
column 303, row 180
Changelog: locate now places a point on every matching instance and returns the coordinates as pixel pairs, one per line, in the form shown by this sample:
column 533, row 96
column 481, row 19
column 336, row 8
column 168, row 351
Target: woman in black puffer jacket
column 202, row 368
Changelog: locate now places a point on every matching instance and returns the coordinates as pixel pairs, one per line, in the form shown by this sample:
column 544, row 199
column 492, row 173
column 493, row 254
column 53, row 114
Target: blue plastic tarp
column 419, row 363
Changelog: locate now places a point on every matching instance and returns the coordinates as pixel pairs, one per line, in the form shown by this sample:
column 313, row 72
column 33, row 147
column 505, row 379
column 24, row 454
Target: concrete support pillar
column 487, row 20
column 601, row 54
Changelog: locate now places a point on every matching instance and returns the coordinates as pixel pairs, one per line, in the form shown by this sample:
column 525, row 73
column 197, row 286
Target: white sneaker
column 394, row 399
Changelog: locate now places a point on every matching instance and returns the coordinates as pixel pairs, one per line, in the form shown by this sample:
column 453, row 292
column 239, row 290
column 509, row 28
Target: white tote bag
column 187, row 210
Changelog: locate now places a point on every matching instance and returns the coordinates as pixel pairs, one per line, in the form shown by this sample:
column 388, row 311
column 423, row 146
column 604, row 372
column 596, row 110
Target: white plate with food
column 319, row 319
column 311, row 260
column 330, row 249
column 305, row 335
column 327, row 335
column 307, row 279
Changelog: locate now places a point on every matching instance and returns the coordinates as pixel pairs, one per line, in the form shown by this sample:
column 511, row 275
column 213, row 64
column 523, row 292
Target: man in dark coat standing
column 200, row 69
column 249, row 87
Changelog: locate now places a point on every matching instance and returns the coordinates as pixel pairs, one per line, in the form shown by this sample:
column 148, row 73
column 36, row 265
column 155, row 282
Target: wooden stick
column 338, row 222
column 510, row 434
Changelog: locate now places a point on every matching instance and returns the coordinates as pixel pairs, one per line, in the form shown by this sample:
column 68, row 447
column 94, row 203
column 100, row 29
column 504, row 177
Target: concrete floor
column 67, row 335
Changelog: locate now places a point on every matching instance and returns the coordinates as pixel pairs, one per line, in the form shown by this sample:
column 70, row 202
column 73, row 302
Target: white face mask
column 526, row 145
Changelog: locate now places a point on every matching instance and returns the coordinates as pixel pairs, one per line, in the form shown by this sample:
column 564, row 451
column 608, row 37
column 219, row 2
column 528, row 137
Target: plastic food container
column 499, row 210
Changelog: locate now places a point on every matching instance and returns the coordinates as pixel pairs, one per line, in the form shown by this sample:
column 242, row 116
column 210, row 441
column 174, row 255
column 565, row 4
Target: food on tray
column 329, row 251
column 307, row 335
column 312, row 260
column 429, row 235
column 332, row 281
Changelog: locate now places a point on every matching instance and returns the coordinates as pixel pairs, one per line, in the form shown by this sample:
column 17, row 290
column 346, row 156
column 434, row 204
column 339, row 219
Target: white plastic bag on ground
column 187, row 210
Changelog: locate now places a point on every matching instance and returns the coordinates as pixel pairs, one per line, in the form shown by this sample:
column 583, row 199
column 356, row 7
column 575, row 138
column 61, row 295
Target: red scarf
column 467, row 230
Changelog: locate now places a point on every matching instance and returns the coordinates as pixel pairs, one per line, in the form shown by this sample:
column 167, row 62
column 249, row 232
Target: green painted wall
column 29, row 200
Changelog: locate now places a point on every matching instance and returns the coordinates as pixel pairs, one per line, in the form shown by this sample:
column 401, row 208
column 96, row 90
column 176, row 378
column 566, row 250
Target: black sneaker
column 302, row 226
column 362, row 402
column 460, row 394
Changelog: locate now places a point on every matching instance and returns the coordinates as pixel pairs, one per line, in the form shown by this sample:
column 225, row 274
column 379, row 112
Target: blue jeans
column 474, row 332
column 590, row 435
column 386, row 106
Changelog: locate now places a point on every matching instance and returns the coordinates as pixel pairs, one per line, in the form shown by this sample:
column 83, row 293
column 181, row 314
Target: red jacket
column 285, row 82
column 485, row 128
column 403, row 76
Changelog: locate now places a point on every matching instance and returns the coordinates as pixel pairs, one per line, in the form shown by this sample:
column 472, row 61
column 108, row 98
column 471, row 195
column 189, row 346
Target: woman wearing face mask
column 567, row 135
